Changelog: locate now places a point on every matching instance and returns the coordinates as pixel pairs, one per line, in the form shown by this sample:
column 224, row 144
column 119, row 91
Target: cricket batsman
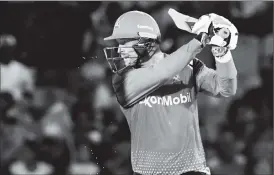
column 157, row 92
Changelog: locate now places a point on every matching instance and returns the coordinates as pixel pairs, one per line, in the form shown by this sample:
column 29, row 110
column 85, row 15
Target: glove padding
column 202, row 25
column 221, row 54
column 223, row 28
column 218, row 51
column 220, row 30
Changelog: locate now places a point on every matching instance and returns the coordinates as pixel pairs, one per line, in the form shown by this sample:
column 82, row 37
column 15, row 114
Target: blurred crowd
column 59, row 115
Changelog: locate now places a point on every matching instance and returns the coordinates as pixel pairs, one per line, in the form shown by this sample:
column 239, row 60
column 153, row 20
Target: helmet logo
column 144, row 27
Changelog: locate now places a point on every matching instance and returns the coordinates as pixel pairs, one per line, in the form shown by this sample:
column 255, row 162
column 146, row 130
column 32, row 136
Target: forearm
column 227, row 76
column 177, row 61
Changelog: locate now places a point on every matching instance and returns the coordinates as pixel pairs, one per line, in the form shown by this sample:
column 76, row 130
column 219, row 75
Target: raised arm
column 136, row 84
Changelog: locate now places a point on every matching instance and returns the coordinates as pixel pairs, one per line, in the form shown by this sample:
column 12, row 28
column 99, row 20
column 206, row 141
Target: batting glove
column 220, row 31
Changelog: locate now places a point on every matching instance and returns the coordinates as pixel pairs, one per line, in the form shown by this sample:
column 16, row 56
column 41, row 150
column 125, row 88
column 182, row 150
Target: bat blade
column 182, row 21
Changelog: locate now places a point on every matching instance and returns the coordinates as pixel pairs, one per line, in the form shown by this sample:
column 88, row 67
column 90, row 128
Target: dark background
column 59, row 114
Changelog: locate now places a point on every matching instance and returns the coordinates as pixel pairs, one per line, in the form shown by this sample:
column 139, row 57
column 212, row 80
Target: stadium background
column 59, row 114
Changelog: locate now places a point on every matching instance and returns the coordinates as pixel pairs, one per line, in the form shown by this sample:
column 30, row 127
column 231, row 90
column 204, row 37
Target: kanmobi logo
column 166, row 100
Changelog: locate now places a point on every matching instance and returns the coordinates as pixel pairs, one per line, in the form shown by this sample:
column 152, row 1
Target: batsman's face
column 126, row 50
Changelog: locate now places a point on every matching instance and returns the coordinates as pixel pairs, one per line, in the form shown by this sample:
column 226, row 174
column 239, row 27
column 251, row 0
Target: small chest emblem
column 176, row 79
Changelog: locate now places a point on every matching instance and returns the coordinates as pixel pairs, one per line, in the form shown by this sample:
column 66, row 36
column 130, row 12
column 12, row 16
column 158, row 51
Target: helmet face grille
column 115, row 61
